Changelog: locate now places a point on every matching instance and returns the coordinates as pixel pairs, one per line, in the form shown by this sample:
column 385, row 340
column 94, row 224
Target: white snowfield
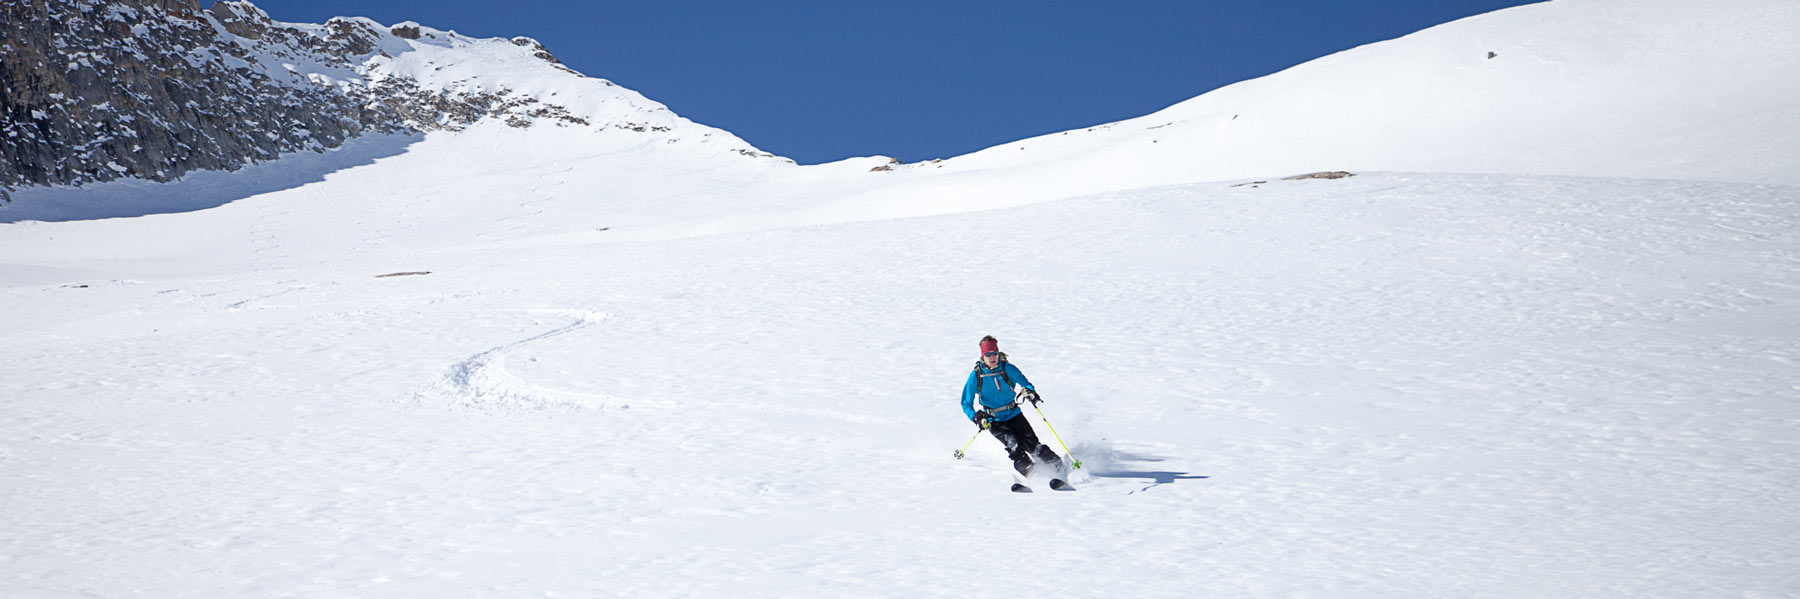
column 655, row 370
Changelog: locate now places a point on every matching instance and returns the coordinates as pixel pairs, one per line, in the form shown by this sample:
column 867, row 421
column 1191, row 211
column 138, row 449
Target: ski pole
column 1059, row 440
column 959, row 452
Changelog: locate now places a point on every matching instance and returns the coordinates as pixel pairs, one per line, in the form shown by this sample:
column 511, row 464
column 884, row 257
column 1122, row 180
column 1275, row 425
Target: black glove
column 981, row 419
column 1031, row 395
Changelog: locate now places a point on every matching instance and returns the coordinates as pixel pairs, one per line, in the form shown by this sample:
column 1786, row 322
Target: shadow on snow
column 1116, row 465
column 197, row 190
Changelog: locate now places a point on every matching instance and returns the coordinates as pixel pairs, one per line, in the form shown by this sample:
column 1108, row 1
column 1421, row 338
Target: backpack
column 1002, row 368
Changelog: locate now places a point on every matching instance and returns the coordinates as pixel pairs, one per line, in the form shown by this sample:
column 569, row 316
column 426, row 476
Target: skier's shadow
column 1156, row 477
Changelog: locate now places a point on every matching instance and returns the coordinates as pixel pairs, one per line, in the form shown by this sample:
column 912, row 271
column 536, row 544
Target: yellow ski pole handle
column 1059, row 441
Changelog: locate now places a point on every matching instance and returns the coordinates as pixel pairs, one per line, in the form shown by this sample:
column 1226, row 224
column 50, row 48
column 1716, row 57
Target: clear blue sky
column 822, row 80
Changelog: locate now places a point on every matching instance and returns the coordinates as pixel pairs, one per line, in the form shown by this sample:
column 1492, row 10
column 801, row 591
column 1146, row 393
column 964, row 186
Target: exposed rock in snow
column 1319, row 175
column 156, row 89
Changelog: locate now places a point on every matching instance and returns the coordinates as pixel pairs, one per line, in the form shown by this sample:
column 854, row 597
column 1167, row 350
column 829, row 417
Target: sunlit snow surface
column 1393, row 384
column 647, row 369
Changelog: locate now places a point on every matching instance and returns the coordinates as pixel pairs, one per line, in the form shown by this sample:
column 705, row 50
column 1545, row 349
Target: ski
column 1018, row 488
column 1061, row 485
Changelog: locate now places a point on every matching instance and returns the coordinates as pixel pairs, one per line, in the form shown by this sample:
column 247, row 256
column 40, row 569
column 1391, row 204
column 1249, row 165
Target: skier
column 998, row 411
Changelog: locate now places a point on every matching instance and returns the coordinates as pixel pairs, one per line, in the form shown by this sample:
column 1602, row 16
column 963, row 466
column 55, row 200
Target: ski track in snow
column 1412, row 385
column 482, row 382
column 518, row 220
column 267, row 243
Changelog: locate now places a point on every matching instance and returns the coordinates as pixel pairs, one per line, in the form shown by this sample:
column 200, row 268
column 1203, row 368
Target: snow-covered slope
column 554, row 361
column 1663, row 89
column 1389, row 385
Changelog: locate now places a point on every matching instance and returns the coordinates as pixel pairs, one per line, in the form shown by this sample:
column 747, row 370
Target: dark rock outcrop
column 1320, row 175
column 154, row 89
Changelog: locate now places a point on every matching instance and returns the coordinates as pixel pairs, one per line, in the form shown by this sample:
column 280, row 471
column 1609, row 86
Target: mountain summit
column 154, row 89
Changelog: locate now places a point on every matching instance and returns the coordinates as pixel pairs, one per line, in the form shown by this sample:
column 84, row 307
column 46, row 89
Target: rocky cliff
column 153, row 89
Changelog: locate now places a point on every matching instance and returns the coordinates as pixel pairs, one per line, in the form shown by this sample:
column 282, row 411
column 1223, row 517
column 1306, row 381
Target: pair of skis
column 1018, row 486
column 1056, row 484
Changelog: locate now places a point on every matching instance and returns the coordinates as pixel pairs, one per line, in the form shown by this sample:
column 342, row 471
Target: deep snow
column 643, row 369
column 1393, row 384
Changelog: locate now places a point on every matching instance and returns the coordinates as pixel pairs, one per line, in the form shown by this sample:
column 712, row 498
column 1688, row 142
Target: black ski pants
column 1021, row 444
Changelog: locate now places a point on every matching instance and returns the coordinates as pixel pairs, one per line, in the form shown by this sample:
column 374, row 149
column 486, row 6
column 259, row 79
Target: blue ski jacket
column 994, row 391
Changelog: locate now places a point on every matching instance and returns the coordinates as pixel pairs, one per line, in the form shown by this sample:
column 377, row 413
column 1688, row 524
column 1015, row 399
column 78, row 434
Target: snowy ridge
column 242, row 88
column 414, row 55
column 1663, row 89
